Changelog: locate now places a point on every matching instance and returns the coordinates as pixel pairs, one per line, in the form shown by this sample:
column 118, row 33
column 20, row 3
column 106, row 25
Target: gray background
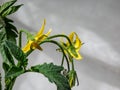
column 97, row 23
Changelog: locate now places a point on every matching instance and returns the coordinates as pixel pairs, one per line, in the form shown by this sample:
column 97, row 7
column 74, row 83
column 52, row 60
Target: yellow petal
column 26, row 48
column 50, row 30
column 77, row 43
column 41, row 38
column 71, row 37
column 41, row 30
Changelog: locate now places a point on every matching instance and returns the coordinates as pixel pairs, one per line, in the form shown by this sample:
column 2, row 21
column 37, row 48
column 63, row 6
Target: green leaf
column 15, row 50
column 53, row 73
column 7, row 57
column 6, row 6
column 2, row 23
column 7, row 30
column 11, row 35
column 6, row 67
column 2, row 35
column 11, row 10
column 11, row 32
column 14, row 72
column 9, row 82
column 12, row 27
column 8, row 20
column 8, row 33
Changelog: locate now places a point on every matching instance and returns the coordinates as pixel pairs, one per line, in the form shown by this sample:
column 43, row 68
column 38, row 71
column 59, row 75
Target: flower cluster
column 70, row 48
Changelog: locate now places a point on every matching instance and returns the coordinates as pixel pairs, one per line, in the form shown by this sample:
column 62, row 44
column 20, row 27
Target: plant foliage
column 53, row 73
column 15, row 61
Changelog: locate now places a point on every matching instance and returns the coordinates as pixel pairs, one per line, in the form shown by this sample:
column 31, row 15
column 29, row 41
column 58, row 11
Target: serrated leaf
column 9, row 82
column 15, row 50
column 8, row 20
column 12, row 27
column 2, row 35
column 2, row 23
column 7, row 30
column 7, row 57
column 3, row 54
column 53, row 73
column 6, row 67
column 8, row 34
column 11, row 10
column 14, row 72
column 11, row 36
column 6, row 6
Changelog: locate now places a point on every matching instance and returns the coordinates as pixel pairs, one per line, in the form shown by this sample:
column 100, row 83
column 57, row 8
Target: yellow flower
column 33, row 44
column 75, row 47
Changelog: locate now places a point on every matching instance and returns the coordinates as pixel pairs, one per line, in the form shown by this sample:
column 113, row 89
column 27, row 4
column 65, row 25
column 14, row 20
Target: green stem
column 73, row 65
column 60, row 35
column 20, row 36
column 77, row 79
column 73, row 68
column 62, row 61
column 52, row 41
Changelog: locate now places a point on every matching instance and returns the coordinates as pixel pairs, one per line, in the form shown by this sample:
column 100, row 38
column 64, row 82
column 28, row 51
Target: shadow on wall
column 99, row 70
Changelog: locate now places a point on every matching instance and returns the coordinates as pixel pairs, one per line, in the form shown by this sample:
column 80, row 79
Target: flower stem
column 72, row 61
column 60, row 35
column 62, row 61
column 20, row 36
column 52, row 41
